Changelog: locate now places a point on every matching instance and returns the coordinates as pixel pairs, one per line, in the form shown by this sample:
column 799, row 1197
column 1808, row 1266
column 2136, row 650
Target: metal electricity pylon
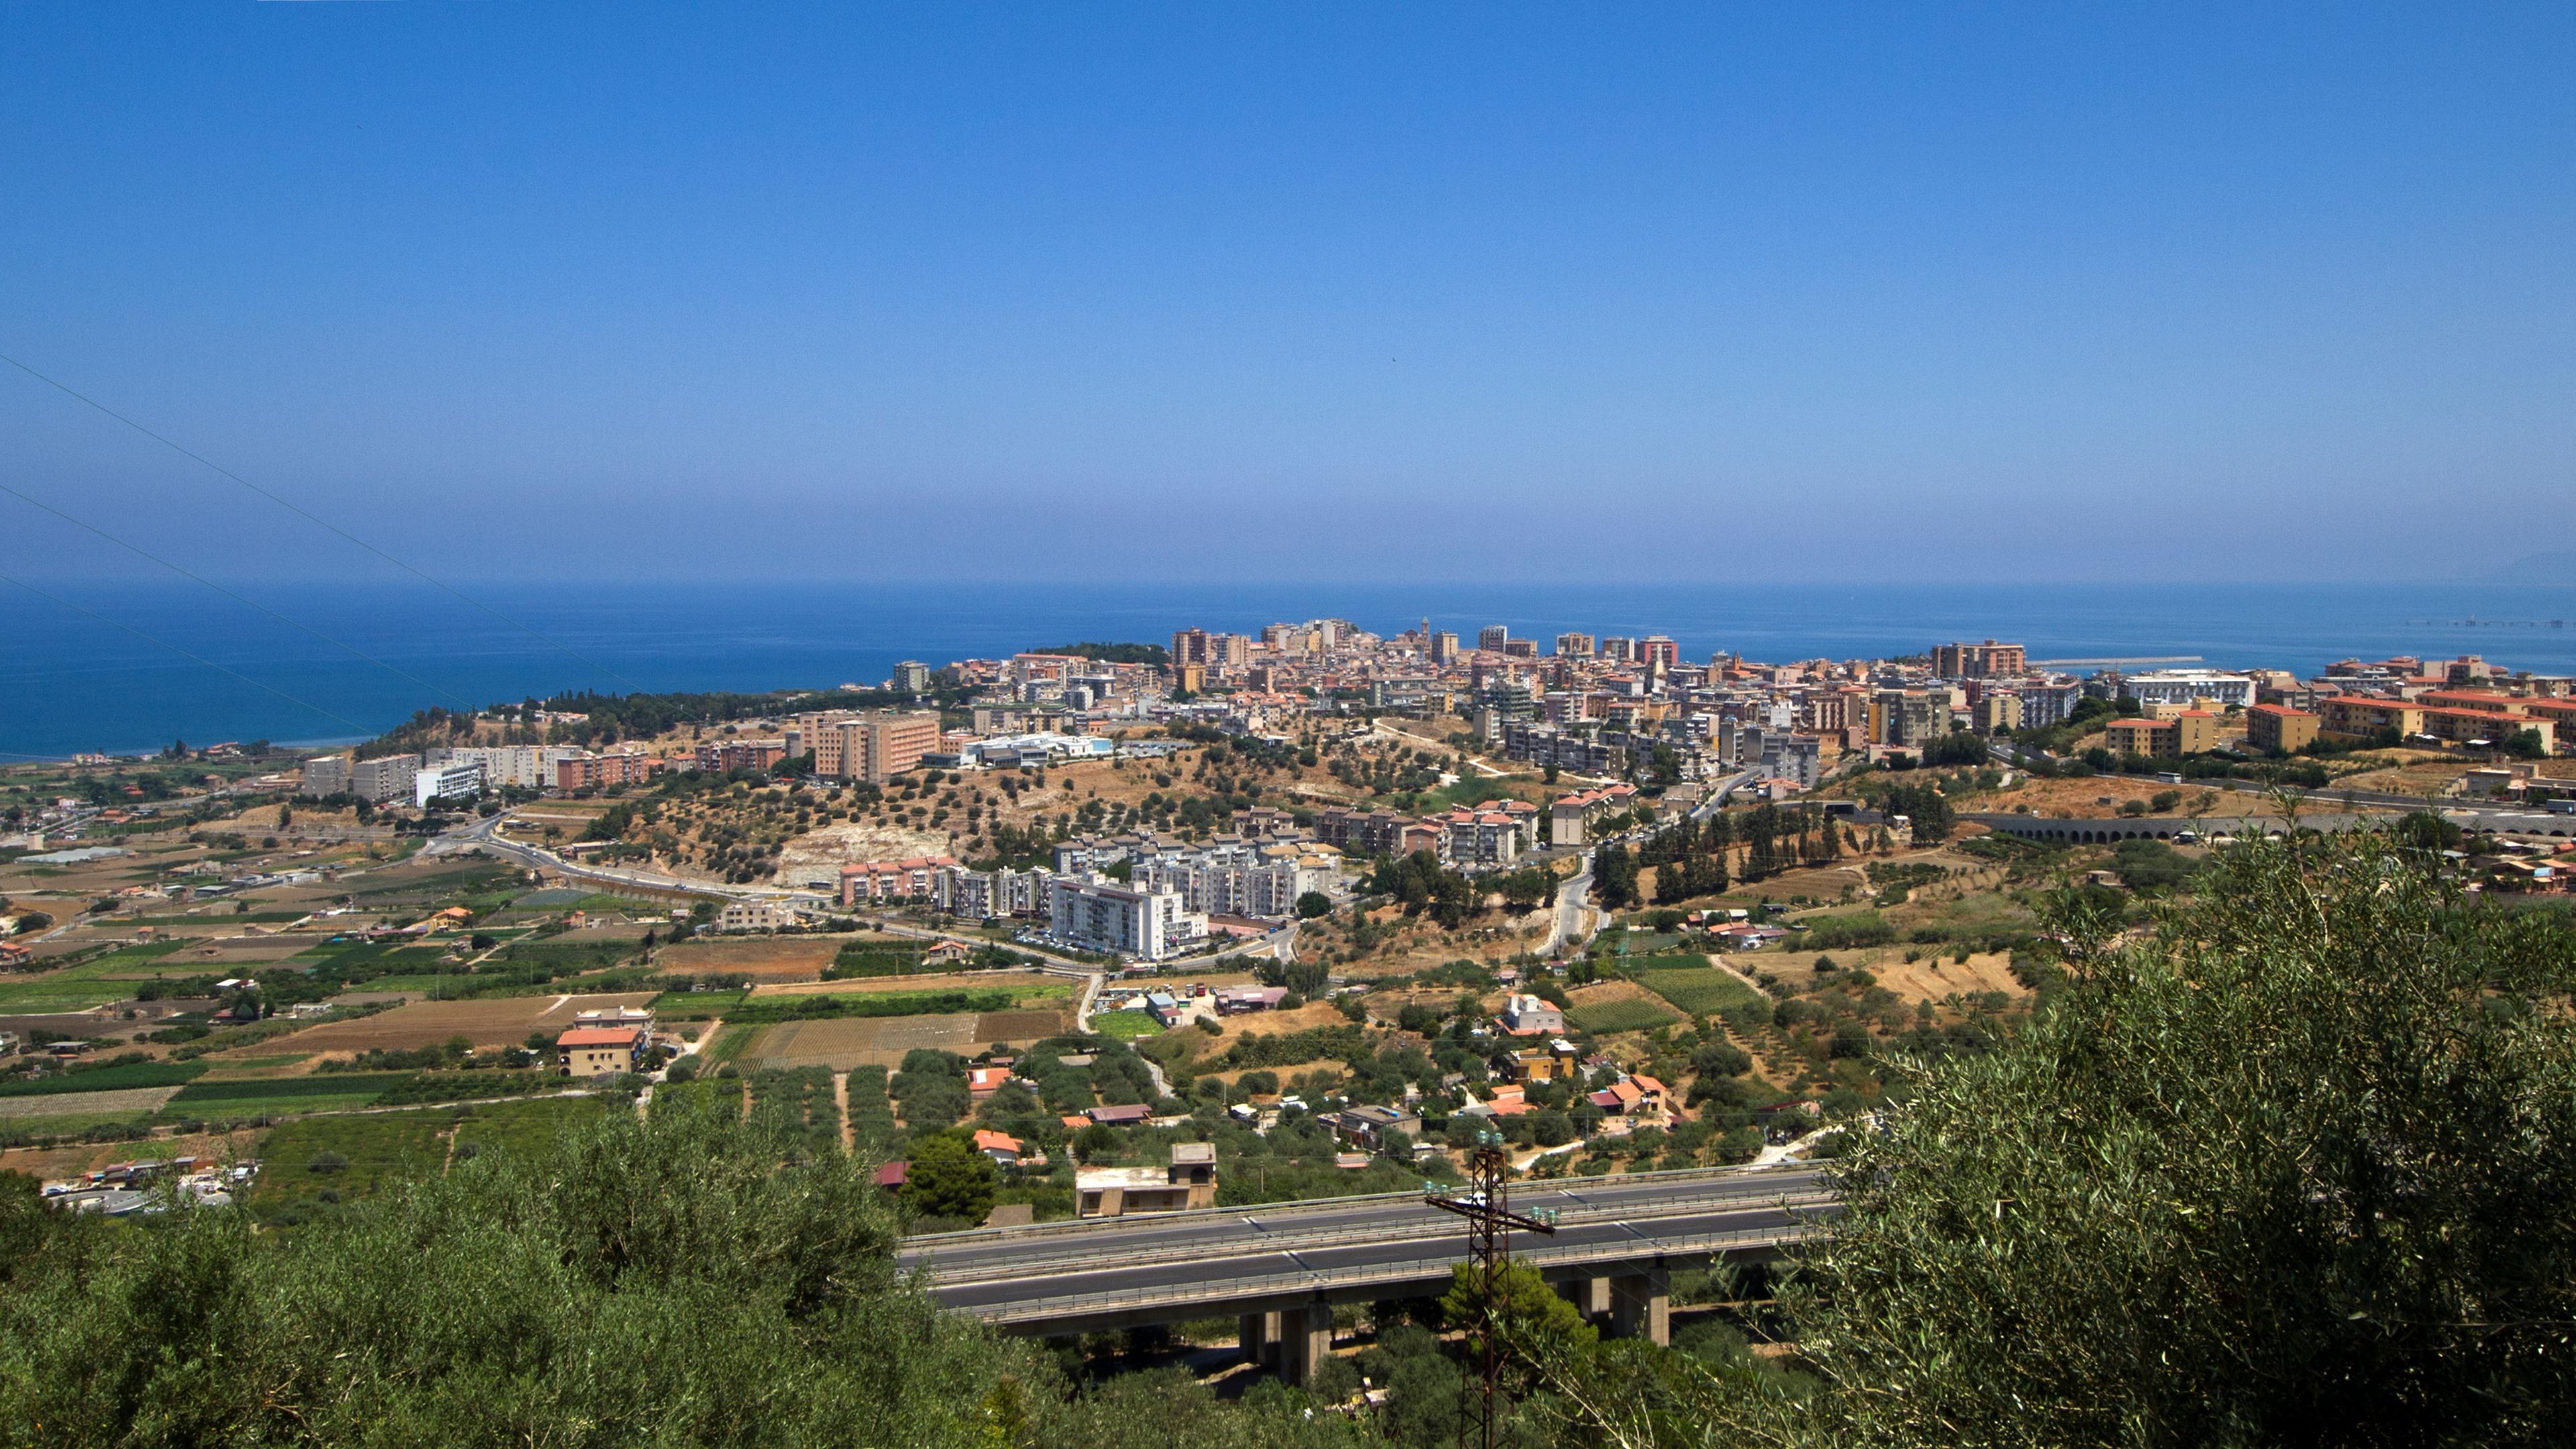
column 1488, row 1210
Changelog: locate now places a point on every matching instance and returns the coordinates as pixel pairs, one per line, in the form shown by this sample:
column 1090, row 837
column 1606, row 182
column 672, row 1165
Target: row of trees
column 1695, row 858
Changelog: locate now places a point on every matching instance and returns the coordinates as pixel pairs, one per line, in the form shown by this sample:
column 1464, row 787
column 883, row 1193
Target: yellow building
column 2188, row 733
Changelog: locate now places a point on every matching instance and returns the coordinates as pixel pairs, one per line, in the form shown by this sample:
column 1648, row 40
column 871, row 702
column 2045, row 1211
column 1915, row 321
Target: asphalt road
column 992, row 1272
column 1568, row 925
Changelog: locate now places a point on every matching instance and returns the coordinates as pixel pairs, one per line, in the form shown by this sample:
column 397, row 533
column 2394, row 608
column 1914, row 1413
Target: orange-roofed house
column 600, row 1051
column 982, row 1082
column 1002, row 1147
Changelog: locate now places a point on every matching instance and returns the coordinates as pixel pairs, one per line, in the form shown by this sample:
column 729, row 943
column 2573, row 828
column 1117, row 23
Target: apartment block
column 1574, row 646
column 325, row 775
column 893, row 880
column 452, row 780
column 529, row 766
column 876, row 747
column 717, row 757
column 2188, row 733
column 2360, row 716
column 387, row 777
column 1096, row 914
column 1998, row 712
column 592, row 772
column 1978, row 661
column 1493, row 637
column 2178, row 686
column 2279, row 727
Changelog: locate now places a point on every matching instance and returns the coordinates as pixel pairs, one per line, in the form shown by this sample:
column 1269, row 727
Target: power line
column 199, row 658
column 229, row 594
column 77, row 396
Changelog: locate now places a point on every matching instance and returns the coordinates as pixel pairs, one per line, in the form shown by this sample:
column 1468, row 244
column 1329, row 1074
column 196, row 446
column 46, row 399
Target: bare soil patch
column 1017, row 1027
column 847, row 1042
column 1932, row 979
column 763, row 958
column 499, row 1021
column 820, row 854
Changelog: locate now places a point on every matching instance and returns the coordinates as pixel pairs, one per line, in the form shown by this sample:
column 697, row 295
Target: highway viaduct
column 1280, row 1269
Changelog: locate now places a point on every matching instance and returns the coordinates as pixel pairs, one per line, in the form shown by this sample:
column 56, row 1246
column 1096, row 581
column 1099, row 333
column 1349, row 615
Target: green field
column 1604, row 1017
column 730, row 1043
column 871, row 1113
column 94, row 982
column 522, row 1125
column 809, row 1006
column 799, row 1099
column 725, row 1094
column 319, row 1164
column 1698, row 990
column 1126, row 1025
column 106, row 1079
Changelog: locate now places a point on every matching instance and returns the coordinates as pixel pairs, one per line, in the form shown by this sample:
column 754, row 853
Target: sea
column 123, row 668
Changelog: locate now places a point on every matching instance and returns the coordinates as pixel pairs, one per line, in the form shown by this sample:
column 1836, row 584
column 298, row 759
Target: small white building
column 762, row 915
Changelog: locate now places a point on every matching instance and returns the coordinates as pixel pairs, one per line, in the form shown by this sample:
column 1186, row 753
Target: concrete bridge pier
column 1305, row 1338
column 1590, row 1297
column 1641, row 1306
column 1259, row 1336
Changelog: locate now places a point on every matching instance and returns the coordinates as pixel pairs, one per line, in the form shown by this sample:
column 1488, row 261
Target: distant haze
column 560, row 292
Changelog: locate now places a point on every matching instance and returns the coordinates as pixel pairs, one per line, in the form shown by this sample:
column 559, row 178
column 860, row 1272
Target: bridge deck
column 1124, row 1272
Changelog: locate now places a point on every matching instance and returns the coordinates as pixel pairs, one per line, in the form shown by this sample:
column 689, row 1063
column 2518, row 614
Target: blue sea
column 70, row 682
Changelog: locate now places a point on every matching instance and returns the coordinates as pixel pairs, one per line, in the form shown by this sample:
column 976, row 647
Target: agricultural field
column 1126, row 1025
column 762, row 958
column 521, row 1125
column 49, row 1111
column 1019, row 1026
column 872, row 1124
column 500, row 1021
column 726, row 1094
column 92, row 983
column 841, row 1043
column 1697, row 989
column 1615, row 1007
column 317, row 1165
column 801, row 1100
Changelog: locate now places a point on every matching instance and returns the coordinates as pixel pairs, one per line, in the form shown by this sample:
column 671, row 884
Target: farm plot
column 92, row 983
column 772, row 958
column 871, row 1112
column 320, row 1164
column 1697, row 988
column 801, row 1101
column 1618, row 1006
column 131, row 1100
column 522, row 1126
column 494, row 1021
column 1018, row 1027
column 842, row 1043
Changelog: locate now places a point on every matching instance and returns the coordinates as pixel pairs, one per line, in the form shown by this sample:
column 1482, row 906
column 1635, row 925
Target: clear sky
column 1298, row 291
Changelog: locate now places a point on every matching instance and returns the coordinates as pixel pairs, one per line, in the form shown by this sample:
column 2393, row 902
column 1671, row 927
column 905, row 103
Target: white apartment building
column 2179, row 687
column 1094, row 914
column 1234, row 881
column 532, row 766
column 453, row 780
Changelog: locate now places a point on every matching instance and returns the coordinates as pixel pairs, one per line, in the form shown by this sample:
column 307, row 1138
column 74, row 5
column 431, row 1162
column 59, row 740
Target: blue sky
column 1284, row 292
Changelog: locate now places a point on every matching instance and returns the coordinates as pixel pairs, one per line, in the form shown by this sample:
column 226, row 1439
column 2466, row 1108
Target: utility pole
column 1490, row 1220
